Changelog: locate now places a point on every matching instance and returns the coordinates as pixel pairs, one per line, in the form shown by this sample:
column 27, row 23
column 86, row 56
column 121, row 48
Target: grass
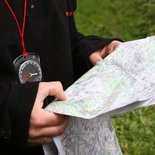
column 136, row 130
column 119, row 18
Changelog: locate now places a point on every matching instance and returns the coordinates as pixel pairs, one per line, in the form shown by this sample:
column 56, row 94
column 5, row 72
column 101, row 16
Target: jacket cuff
column 88, row 45
column 27, row 99
column 95, row 43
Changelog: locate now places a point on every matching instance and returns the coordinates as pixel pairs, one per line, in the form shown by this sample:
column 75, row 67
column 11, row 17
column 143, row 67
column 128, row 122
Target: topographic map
column 122, row 78
column 123, row 81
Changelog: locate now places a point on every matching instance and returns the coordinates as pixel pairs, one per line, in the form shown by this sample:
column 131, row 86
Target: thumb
column 95, row 58
column 46, row 89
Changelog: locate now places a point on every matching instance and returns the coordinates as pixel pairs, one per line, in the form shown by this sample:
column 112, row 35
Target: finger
column 56, row 89
column 49, row 131
column 50, row 89
column 49, row 119
column 41, row 140
column 54, row 130
column 104, row 52
column 112, row 46
column 95, row 58
column 53, row 119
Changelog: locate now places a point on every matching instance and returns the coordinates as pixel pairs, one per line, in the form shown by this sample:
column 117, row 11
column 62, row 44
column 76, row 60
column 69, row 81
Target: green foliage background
column 128, row 20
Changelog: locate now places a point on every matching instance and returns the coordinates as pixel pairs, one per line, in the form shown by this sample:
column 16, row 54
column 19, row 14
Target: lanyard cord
column 21, row 31
column 69, row 11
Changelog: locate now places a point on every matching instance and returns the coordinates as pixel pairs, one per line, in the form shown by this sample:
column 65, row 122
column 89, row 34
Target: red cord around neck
column 21, row 30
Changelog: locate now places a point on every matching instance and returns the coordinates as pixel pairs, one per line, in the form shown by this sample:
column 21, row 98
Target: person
column 42, row 53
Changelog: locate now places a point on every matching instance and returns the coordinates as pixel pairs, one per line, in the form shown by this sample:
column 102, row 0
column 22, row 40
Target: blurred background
column 128, row 20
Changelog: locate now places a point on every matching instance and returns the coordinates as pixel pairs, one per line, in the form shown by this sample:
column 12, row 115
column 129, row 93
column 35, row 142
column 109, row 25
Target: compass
column 28, row 68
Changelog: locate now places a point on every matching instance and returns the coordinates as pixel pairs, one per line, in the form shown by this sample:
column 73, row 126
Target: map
column 124, row 77
column 123, row 81
column 95, row 136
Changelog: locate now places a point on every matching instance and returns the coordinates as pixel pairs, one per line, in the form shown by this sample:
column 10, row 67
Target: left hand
column 43, row 124
column 100, row 54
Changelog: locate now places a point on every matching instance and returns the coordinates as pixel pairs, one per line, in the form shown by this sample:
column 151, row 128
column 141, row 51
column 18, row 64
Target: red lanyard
column 21, row 30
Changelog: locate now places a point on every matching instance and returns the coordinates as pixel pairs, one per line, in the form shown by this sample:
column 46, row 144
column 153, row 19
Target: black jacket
column 64, row 57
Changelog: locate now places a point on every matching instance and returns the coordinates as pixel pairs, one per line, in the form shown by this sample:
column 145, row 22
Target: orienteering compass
column 27, row 65
column 28, row 68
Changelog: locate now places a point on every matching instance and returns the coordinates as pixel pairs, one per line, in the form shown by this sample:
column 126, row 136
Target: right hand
column 44, row 125
column 100, row 54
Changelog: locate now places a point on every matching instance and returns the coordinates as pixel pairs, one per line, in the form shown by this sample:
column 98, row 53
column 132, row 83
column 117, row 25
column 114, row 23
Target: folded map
column 124, row 80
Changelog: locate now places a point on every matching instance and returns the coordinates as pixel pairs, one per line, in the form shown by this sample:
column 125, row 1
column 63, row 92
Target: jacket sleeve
column 16, row 102
column 83, row 46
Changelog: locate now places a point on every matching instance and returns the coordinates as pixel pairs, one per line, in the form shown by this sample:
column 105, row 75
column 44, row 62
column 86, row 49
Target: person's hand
column 44, row 125
column 100, row 54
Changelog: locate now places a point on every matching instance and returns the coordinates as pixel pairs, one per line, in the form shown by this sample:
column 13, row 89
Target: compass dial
column 29, row 71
